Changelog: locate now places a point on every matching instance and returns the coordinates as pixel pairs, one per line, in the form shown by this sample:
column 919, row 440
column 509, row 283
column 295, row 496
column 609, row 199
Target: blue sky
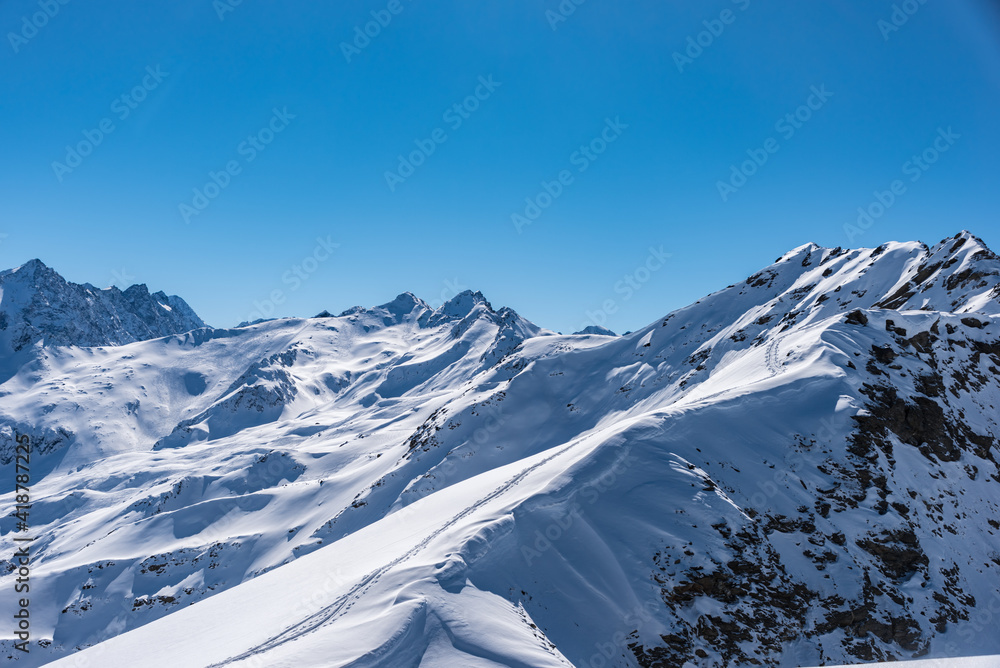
column 641, row 108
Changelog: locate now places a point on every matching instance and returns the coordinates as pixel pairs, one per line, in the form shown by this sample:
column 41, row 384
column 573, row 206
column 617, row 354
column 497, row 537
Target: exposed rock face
column 917, row 389
column 38, row 304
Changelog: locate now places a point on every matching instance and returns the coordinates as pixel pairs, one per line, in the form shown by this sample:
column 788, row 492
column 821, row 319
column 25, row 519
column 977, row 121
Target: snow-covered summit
column 460, row 311
column 957, row 274
column 595, row 330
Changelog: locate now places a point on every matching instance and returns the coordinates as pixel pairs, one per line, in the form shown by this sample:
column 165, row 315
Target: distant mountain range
column 799, row 469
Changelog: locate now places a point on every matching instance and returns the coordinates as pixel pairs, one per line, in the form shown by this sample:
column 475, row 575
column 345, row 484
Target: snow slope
column 797, row 470
column 970, row 662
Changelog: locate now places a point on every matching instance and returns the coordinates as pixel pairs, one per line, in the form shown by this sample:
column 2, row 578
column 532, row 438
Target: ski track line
column 771, row 357
column 345, row 602
column 770, row 362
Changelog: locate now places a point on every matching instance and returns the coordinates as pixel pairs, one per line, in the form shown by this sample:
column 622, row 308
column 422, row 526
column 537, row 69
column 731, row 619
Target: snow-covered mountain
column 37, row 304
column 801, row 469
column 596, row 329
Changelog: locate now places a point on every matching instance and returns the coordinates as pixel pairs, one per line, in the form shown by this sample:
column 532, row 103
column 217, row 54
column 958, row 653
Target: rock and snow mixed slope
column 801, row 469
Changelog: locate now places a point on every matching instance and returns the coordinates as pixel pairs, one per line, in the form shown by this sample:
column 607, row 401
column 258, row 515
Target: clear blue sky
column 116, row 217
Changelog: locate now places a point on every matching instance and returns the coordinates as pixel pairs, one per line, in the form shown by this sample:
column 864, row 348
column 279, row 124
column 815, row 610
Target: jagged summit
column 32, row 266
column 460, row 306
column 407, row 307
column 959, row 274
column 38, row 304
column 404, row 304
column 966, row 235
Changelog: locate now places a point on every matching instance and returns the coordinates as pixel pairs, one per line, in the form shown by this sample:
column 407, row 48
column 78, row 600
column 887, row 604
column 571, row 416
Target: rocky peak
column 460, row 306
column 37, row 304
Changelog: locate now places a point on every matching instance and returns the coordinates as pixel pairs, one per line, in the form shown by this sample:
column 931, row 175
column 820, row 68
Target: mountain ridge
column 786, row 472
column 138, row 297
column 37, row 304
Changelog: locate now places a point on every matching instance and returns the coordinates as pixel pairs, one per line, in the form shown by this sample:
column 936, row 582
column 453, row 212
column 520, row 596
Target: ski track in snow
column 771, row 363
column 771, row 358
column 333, row 611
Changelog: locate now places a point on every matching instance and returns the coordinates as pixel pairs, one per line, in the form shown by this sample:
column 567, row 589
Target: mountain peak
column 965, row 242
column 136, row 290
column 462, row 305
column 38, row 304
column 799, row 251
column 966, row 234
column 32, row 265
column 595, row 330
column 403, row 307
column 404, row 304
column 29, row 270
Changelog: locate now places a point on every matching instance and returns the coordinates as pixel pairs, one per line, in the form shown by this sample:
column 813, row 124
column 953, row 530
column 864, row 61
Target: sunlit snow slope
column 800, row 469
column 966, row 662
